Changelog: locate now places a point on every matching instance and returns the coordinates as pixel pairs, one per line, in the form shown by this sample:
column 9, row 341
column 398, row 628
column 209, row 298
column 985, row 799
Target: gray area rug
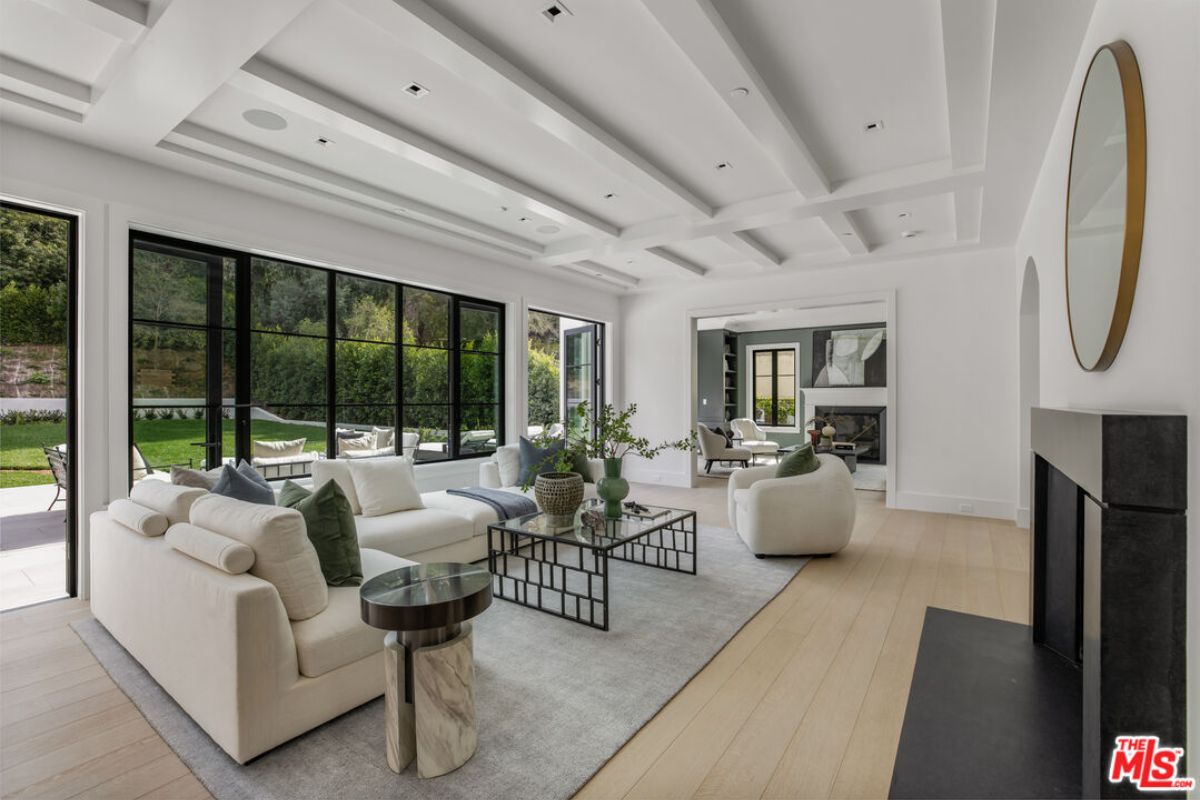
column 554, row 699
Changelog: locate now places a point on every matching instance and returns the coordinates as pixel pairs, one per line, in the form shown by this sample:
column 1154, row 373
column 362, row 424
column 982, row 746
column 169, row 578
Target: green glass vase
column 612, row 488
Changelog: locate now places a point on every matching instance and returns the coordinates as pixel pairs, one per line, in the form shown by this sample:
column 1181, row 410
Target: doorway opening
column 38, row 255
column 566, row 369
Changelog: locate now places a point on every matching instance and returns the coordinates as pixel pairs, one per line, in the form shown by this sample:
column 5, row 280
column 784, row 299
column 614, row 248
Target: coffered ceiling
column 638, row 142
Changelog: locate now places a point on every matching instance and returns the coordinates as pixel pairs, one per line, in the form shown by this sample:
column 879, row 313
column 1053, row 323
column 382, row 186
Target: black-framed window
column 774, row 385
column 235, row 355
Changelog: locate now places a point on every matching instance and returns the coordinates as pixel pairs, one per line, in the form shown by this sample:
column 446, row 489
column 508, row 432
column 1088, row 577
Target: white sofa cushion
column 480, row 514
column 332, row 469
column 385, row 485
column 174, row 502
column 338, row 636
column 227, row 555
column 139, row 518
column 406, row 533
column 283, row 554
column 290, row 448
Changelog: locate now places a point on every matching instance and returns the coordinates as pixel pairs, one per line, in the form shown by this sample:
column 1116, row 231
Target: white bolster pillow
column 138, row 518
column 175, row 502
column 212, row 548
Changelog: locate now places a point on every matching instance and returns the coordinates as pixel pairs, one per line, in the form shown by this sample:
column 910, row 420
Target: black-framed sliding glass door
column 38, row 427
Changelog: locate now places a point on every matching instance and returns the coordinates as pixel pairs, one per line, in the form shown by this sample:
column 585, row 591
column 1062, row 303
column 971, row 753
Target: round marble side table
column 428, row 660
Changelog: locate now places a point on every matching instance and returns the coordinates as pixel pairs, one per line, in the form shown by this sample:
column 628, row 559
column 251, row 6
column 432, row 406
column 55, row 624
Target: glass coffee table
column 564, row 571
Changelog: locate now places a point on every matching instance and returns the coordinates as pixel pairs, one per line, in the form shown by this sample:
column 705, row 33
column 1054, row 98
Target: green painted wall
column 710, row 378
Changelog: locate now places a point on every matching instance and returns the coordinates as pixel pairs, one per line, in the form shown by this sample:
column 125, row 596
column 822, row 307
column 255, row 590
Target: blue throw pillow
column 244, row 483
column 536, row 460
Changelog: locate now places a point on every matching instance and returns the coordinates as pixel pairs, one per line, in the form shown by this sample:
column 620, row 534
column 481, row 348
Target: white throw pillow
column 384, row 437
column 333, row 469
column 385, row 485
column 292, row 448
column 357, row 444
column 508, row 459
column 283, row 554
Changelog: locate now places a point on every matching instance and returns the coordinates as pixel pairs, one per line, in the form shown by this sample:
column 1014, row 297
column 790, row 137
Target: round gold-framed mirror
column 1106, row 205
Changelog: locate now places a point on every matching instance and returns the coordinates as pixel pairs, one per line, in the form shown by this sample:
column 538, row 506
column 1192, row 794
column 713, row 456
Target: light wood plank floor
column 806, row 701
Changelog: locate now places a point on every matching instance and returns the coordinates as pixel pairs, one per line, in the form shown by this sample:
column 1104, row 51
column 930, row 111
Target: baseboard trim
column 949, row 504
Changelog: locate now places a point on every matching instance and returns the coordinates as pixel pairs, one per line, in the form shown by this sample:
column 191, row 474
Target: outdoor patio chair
column 57, row 458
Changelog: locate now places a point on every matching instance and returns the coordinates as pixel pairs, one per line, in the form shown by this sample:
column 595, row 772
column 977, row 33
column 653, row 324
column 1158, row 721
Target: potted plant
column 608, row 438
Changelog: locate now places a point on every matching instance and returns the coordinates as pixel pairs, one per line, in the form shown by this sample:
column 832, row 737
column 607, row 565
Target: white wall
column 1158, row 367
column 954, row 350
column 113, row 193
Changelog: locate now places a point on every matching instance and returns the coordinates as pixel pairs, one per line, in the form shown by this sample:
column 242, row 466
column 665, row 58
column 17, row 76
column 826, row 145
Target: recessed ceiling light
column 523, row 219
column 323, row 141
column 903, row 215
column 556, row 11
column 740, row 91
column 548, row 229
column 724, row 165
column 630, row 261
column 504, row 208
column 910, row 234
column 416, row 90
column 610, row 196
column 267, row 120
column 874, row 126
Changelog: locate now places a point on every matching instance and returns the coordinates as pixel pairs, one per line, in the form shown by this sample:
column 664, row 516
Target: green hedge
column 33, row 314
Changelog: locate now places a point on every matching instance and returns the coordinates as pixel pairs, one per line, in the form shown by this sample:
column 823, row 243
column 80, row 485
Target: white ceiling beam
column 435, row 37
column 286, row 90
column 340, row 184
column 124, row 19
column 849, row 234
column 607, row 273
column 193, row 48
column 46, row 81
column 921, row 180
column 403, row 220
column 968, row 213
column 752, row 249
column 689, row 267
column 40, row 105
column 706, row 40
column 968, row 30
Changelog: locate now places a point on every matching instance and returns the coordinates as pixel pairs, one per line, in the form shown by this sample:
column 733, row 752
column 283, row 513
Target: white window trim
column 751, row 349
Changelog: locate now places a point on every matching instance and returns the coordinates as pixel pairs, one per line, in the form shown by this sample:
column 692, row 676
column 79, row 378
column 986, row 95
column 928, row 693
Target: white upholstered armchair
column 754, row 438
column 806, row 515
column 714, row 448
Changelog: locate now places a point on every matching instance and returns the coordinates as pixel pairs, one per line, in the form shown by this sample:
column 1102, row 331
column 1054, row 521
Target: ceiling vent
column 874, row 126
column 323, row 141
column 555, row 11
column 724, row 166
column 910, row 234
column 416, row 90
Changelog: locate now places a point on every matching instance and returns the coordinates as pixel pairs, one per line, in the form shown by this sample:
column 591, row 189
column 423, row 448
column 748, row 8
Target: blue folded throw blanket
column 506, row 504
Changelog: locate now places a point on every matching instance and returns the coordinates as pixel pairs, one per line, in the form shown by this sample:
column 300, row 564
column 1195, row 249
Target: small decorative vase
column 559, row 495
column 612, row 488
column 827, row 434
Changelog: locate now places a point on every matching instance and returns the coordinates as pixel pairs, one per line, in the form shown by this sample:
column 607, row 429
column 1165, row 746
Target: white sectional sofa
column 222, row 642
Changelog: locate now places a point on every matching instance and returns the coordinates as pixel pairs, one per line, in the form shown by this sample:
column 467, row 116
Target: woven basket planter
column 559, row 495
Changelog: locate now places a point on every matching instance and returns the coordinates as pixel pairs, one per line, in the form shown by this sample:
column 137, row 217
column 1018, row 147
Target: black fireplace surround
column 866, row 425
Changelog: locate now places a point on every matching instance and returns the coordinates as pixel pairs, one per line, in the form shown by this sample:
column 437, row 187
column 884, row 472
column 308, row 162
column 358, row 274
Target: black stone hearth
column 976, row 683
column 863, row 424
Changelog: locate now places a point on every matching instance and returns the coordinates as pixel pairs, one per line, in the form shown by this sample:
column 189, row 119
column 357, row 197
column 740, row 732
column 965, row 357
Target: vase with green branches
column 608, row 437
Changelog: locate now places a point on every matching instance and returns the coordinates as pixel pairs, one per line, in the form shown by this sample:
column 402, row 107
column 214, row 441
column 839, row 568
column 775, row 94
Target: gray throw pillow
column 536, row 460
column 196, row 478
column 244, row 483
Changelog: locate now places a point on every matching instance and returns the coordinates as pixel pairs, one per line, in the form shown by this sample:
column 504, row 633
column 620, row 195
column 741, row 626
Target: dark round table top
column 425, row 596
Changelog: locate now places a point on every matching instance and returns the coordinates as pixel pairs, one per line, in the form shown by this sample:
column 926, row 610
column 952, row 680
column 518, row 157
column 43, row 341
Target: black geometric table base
column 570, row 580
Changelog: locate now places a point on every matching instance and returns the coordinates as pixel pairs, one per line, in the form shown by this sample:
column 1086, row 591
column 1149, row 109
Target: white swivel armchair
column 754, row 438
column 806, row 515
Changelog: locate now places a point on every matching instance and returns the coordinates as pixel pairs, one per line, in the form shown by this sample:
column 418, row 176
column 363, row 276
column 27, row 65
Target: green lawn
column 22, row 462
column 163, row 442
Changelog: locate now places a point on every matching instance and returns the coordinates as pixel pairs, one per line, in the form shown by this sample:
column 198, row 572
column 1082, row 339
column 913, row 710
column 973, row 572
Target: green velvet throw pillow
column 330, row 522
column 800, row 461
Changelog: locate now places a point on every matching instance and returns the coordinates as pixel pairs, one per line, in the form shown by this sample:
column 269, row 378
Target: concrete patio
column 36, row 572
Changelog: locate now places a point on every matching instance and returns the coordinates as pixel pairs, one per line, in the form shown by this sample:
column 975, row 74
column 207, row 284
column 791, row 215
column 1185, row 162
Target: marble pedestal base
column 430, row 696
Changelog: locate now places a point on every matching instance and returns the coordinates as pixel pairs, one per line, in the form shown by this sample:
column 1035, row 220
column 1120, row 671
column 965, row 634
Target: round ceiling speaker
column 267, row 120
